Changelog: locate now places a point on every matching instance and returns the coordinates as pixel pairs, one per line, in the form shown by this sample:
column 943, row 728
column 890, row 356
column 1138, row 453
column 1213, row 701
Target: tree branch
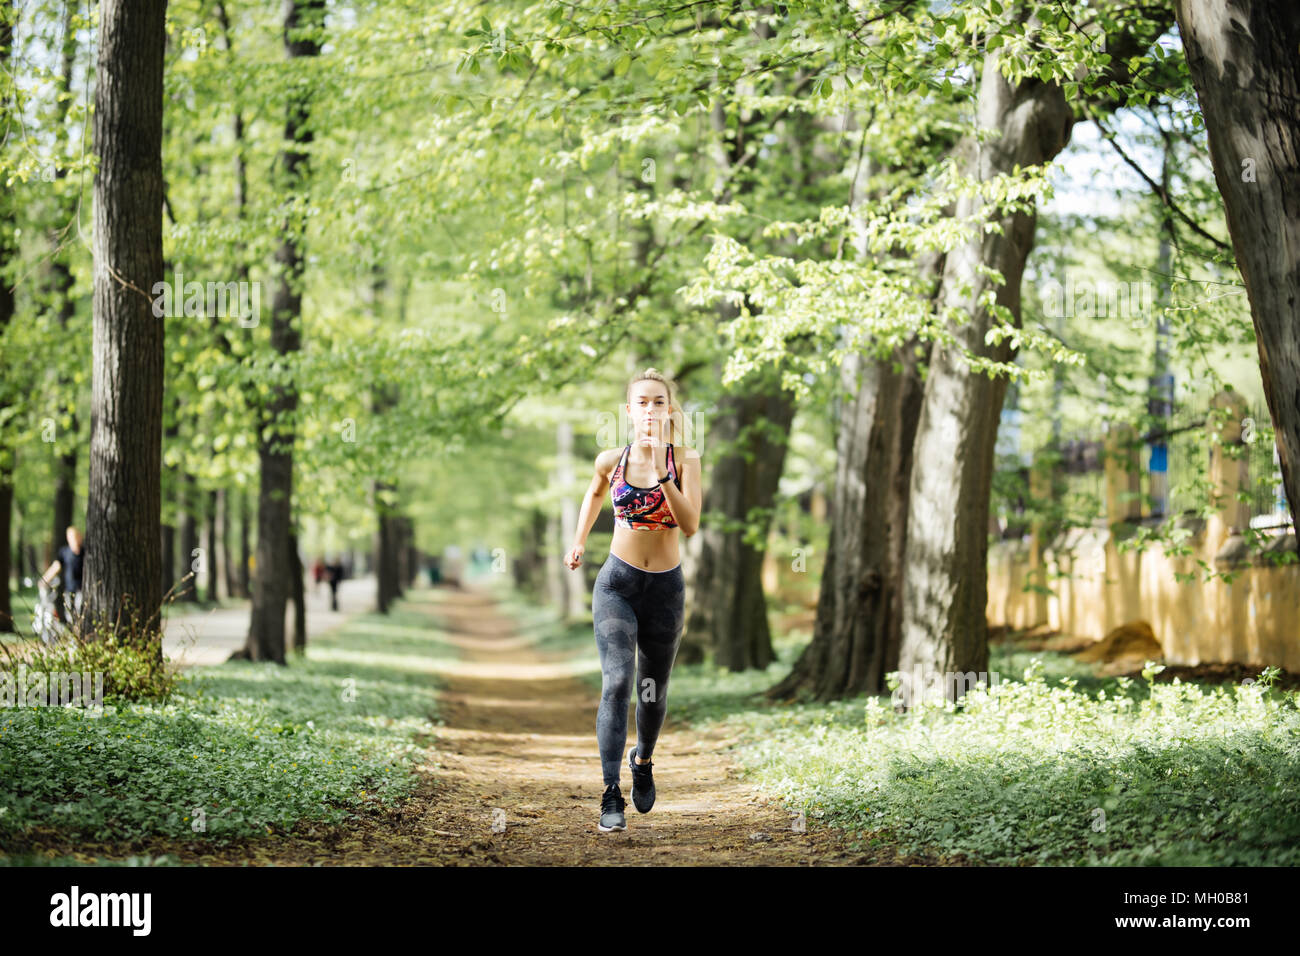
column 1159, row 190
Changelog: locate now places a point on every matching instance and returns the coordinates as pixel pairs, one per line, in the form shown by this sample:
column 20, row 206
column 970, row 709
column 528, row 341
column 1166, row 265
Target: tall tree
column 122, row 526
column 387, row 585
column 859, row 610
column 8, row 251
column 304, row 22
column 296, row 596
column 188, row 532
column 729, row 610
column 167, row 538
column 385, row 396
column 236, row 579
column 63, row 303
column 1244, row 59
column 210, row 558
column 945, row 586
column 245, row 547
column 226, row 562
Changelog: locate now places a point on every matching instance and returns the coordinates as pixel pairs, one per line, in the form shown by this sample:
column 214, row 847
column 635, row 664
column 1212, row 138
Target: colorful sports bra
column 641, row 509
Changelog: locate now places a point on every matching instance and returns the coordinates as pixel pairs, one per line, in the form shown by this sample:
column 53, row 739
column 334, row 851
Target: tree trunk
column 210, row 546
column 859, row 610
column 122, row 575
column 236, row 579
column 945, row 588
column 271, row 586
column 170, row 489
column 1243, row 59
column 385, row 569
column 299, row 599
column 398, row 541
column 65, row 465
column 414, row 557
column 226, row 561
column 167, row 554
column 575, row 598
column 8, row 252
column 189, row 535
column 728, row 608
column 245, row 547
column 528, row 569
column 65, row 478
column 6, row 538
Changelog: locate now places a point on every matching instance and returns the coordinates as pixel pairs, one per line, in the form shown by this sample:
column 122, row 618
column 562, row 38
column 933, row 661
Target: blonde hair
column 654, row 375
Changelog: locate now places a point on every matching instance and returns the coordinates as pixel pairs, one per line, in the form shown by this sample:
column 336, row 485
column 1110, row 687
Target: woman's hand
column 574, row 557
column 659, row 451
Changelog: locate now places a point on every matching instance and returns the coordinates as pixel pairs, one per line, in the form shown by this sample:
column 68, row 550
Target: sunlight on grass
column 1034, row 769
column 247, row 748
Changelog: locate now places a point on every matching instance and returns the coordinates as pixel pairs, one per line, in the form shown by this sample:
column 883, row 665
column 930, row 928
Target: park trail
column 518, row 744
column 511, row 776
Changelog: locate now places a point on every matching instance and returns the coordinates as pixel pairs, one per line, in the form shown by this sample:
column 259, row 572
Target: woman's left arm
column 686, row 502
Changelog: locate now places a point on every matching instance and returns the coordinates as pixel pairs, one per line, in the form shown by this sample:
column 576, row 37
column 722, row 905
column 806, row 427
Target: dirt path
column 518, row 747
column 512, row 776
column 519, row 739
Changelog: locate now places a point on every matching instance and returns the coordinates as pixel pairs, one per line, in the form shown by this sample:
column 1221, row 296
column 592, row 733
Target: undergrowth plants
column 1040, row 772
column 240, row 750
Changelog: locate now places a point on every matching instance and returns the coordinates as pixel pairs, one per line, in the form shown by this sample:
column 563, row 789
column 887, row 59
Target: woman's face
column 648, row 407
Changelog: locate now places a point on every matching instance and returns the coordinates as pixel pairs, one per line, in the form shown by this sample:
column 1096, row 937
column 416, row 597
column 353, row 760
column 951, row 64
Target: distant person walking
column 70, row 560
column 318, row 572
column 334, row 573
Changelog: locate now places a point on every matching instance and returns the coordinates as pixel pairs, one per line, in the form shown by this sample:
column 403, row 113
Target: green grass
column 1051, row 766
column 21, row 601
column 258, row 747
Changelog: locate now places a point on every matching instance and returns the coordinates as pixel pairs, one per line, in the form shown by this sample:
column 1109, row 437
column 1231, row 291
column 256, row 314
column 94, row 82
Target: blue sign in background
column 1159, row 458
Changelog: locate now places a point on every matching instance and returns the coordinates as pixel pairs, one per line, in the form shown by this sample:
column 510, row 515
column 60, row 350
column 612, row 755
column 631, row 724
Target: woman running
column 637, row 606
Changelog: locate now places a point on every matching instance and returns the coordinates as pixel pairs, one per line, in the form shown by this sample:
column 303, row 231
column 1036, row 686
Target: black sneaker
column 643, row 783
column 611, row 810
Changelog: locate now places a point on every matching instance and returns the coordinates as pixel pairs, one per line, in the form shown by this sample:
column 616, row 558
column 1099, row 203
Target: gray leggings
column 635, row 613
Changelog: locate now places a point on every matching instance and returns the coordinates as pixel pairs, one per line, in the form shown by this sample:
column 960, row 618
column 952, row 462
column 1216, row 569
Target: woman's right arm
column 591, row 504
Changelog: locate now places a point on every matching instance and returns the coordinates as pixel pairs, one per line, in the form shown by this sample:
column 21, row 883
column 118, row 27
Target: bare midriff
column 650, row 549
